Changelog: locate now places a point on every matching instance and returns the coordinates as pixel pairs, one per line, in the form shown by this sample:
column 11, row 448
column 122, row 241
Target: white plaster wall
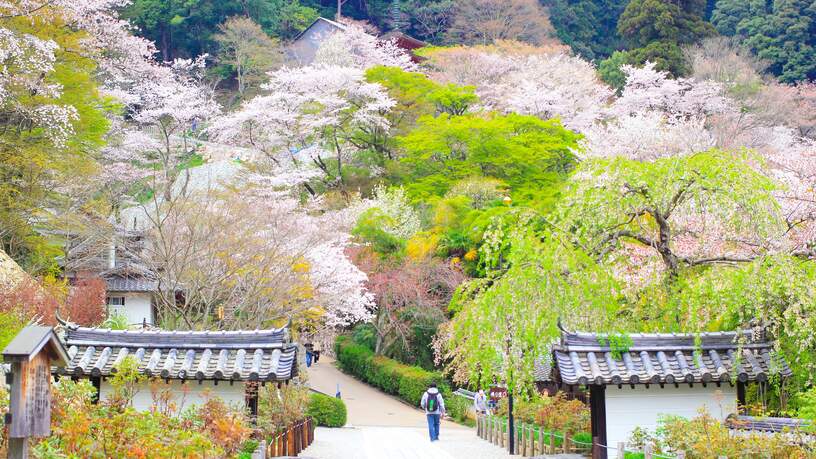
column 627, row 408
column 185, row 395
column 137, row 307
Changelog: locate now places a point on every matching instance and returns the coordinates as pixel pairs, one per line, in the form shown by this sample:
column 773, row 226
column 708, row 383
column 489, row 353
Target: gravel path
column 382, row 427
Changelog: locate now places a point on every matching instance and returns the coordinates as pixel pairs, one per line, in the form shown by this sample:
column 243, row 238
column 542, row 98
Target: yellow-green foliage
column 422, row 245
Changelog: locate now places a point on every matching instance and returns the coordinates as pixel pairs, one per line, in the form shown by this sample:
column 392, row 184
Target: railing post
column 621, row 450
column 531, row 439
column 681, row 455
column 566, row 441
column 520, row 439
column 596, row 448
column 647, row 451
column 552, row 442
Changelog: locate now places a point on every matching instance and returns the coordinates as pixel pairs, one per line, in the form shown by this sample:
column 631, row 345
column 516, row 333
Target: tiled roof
column 259, row 355
column 542, row 370
column 582, row 359
column 766, row 424
column 130, row 284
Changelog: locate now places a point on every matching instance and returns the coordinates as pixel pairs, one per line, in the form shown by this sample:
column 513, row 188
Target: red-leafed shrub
column 86, row 302
column 30, row 299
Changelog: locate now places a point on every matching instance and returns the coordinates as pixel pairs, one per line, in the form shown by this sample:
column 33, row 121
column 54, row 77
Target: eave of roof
column 253, row 355
column 583, row 359
column 320, row 18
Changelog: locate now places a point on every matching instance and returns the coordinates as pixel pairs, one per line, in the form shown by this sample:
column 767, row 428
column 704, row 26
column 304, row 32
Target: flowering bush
column 705, row 437
column 113, row 428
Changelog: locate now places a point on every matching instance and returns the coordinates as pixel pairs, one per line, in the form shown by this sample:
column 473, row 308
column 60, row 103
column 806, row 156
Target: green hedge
column 405, row 381
column 326, row 411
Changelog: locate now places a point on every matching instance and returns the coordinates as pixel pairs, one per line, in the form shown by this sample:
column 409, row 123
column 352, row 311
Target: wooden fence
column 292, row 440
column 533, row 440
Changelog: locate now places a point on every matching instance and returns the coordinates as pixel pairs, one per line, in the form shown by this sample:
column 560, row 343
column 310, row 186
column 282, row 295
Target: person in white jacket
column 480, row 402
column 434, row 407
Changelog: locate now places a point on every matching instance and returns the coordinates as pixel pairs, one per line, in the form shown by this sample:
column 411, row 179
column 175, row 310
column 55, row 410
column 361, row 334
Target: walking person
column 480, row 402
column 434, row 407
column 318, row 347
column 309, row 353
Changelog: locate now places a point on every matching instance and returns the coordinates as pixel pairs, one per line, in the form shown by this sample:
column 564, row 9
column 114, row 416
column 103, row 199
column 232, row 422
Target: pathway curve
column 381, row 427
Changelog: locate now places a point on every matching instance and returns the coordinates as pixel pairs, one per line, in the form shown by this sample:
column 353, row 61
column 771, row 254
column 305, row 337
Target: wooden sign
column 497, row 393
column 31, row 354
column 30, row 401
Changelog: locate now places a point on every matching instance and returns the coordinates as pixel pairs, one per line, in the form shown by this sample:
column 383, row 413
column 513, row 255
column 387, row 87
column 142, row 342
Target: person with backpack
column 434, row 407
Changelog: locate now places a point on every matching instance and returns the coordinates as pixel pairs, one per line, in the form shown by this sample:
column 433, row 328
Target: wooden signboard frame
column 31, row 354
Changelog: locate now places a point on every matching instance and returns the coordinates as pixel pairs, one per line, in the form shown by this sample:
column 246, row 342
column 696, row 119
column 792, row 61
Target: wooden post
column 597, row 408
column 552, row 442
column 596, row 448
column 520, row 439
column 565, row 446
column 305, row 434
column 621, row 450
column 681, row 455
column 647, row 451
column 541, row 440
column 532, row 440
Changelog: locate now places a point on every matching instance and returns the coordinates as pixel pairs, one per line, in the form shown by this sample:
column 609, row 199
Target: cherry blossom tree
column 646, row 135
column 353, row 47
column 309, row 114
column 544, row 82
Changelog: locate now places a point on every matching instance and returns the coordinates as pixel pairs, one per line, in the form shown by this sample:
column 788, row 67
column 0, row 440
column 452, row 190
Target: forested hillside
column 781, row 33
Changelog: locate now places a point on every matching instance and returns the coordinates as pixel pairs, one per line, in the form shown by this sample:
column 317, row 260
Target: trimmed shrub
column 326, row 411
column 405, row 381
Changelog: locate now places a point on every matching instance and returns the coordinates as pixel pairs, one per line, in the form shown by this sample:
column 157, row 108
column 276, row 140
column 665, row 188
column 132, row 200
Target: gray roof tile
column 582, row 358
column 259, row 355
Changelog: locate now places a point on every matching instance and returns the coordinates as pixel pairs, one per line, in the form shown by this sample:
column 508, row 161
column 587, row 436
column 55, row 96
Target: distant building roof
column 582, row 359
column 31, row 340
column 122, row 284
column 403, row 40
column 258, row 355
column 766, row 424
column 329, row 22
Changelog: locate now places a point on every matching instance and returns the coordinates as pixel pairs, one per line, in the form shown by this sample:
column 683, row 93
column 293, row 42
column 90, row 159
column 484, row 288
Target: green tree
column 589, row 27
column 36, row 169
column 247, row 50
column 616, row 201
column 610, row 69
column 507, row 322
column 782, row 32
column 656, row 30
column 187, row 29
column 528, row 154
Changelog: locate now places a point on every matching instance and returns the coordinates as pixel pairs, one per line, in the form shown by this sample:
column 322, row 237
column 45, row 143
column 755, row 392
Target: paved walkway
column 382, row 427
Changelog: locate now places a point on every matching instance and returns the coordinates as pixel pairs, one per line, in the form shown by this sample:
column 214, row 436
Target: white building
column 131, row 297
column 662, row 374
column 188, row 364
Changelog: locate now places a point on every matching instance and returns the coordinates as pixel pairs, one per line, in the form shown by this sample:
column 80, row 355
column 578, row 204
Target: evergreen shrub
column 405, row 381
column 326, row 411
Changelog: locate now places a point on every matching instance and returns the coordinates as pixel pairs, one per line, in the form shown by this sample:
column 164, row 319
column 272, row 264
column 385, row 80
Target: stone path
column 382, row 427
